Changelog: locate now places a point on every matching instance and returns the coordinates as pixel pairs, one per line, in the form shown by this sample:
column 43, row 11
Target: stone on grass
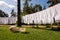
column 14, row 29
column 22, row 30
column 54, row 27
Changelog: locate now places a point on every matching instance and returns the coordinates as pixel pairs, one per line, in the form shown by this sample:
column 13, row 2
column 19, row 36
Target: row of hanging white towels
column 42, row 17
column 8, row 20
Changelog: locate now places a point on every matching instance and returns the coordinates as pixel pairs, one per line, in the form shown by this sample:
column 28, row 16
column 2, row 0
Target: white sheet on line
column 41, row 17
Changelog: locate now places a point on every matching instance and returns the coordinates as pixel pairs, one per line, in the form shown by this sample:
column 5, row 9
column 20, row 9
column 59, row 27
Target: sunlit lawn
column 33, row 34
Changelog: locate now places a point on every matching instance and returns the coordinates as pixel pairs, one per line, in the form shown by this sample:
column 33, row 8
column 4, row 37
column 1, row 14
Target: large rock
column 22, row 30
column 14, row 29
column 54, row 27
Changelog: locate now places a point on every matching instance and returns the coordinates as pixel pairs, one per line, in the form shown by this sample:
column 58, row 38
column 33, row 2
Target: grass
column 33, row 34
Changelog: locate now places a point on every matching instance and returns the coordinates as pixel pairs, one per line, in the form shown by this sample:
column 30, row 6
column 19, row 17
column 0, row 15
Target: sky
column 8, row 5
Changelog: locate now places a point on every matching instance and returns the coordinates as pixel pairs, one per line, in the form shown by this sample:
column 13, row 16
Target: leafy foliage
column 29, row 9
column 26, row 7
column 44, row 8
column 52, row 2
column 37, row 8
column 3, row 14
column 13, row 14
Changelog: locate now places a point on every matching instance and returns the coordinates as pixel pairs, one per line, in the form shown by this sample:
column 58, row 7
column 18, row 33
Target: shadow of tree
column 25, row 32
column 15, row 32
column 52, row 29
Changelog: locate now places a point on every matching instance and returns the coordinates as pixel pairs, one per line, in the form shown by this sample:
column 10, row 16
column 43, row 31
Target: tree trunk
column 19, row 13
column 54, row 20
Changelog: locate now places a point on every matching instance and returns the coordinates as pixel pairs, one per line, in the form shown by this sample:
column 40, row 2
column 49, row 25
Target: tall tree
column 19, row 13
column 6, row 15
column 3, row 14
column 29, row 9
column 52, row 2
column 44, row 8
column 13, row 14
column 26, row 9
column 37, row 7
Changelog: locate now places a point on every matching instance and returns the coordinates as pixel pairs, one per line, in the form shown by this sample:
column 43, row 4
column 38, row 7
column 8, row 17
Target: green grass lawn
column 33, row 34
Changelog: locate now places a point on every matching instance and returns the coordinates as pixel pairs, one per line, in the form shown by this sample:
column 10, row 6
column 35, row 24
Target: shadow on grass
column 52, row 29
column 20, row 32
column 25, row 32
column 58, row 30
column 15, row 32
column 1, row 30
column 36, row 27
column 47, row 28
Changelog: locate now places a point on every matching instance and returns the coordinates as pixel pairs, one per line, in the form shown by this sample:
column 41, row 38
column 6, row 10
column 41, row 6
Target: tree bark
column 54, row 20
column 19, row 13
